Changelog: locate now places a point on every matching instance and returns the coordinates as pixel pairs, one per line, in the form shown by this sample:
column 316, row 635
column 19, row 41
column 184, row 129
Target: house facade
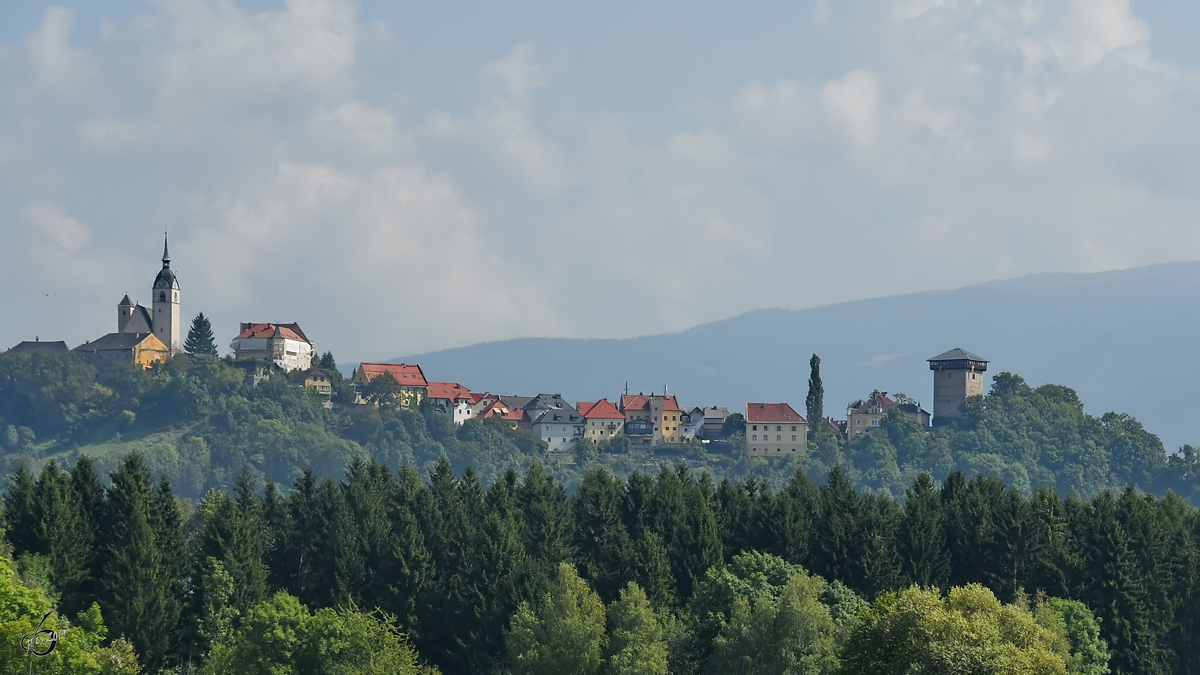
column 775, row 429
column 283, row 344
column 871, row 413
column 413, row 387
column 651, row 419
column 313, row 379
column 452, row 399
column 555, row 421
column 602, row 420
column 115, row 349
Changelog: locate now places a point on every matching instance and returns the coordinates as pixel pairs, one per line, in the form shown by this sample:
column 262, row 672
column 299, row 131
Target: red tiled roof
column 494, row 409
column 885, row 404
column 477, row 397
column 600, row 410
column 772, row 412
column 406, row 374
column 451, row 391
column 642, row 402
column 290, row 331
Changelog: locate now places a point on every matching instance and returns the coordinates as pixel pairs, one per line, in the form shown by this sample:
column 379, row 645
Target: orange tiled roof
column 289, row 331
column 406, row 374
column 772, row 412
column 600, row 410
column 884, row 401
column 642, row 402
column 451, row 391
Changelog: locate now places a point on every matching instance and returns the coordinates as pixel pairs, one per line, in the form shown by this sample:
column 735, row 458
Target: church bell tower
column 165, row 317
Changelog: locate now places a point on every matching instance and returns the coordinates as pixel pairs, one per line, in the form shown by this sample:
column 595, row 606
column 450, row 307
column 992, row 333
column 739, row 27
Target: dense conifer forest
column 180, row 520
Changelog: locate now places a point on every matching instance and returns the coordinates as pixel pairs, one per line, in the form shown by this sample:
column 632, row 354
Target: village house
column 283, row 344
column 452, row 399
column 651, row 419
column 29, row 347
column 105, row 353
column 871, row 413
column 314, row 379
column 413, row 387
column 774, row 429
column 603, row 420
column 554, row 421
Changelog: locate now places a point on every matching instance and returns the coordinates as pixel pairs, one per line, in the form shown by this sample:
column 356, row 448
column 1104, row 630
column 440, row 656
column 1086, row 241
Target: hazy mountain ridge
column 1120, row 338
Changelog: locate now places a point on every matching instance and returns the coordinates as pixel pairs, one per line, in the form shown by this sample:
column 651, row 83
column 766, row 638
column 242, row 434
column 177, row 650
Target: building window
column 793, row 427
column 793, row 437
column 778, row 437
column 755, row 427
column 754, row 437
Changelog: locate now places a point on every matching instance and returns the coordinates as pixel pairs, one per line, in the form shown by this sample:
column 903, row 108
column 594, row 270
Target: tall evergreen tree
column 200, row 338
column 921, row 541
column 814, row 403
column 67, row 536
column 139, row 584
column 605, row 552
column 20, row 512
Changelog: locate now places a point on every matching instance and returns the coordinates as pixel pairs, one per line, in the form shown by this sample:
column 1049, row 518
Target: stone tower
column 957, row 375
column 165, row 317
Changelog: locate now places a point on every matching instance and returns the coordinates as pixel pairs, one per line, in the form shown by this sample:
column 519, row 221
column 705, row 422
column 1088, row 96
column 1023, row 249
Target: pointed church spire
column 166, row 256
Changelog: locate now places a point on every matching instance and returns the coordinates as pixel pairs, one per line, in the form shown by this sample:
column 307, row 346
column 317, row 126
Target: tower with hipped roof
column 957, row 376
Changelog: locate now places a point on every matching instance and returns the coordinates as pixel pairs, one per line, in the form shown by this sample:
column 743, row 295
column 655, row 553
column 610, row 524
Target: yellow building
column 105, row 353
column 651, row 419
column 315, row 379
column 413, row 386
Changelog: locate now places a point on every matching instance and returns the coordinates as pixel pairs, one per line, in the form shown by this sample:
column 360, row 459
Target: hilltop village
column 149, row 335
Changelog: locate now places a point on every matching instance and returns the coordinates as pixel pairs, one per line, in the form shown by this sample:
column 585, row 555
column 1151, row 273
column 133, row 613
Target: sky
column 404, row 177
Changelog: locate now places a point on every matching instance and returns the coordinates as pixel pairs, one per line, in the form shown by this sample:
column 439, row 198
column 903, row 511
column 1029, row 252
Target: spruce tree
column 67, row 536
column 200, row 338
column 814, row 403
column 924, row 558
column 20, row 512
column 605, row 552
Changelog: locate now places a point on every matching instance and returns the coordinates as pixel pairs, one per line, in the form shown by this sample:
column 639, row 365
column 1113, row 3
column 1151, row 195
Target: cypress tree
column 814, row 403
column 200, row 338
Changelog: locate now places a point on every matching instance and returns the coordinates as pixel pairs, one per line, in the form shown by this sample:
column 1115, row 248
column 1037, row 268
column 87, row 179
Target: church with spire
column 144, row 335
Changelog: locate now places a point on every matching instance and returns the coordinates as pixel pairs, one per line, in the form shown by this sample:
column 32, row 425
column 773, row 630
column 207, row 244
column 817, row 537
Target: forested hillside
column 196, row 421
column 181, row 519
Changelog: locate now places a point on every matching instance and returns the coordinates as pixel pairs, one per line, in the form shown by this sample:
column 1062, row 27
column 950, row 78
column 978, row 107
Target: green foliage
column 200, row 338
column 814, row 403
column 636, row 645
column 281, row 635
column 563, row 632
column 919, row 631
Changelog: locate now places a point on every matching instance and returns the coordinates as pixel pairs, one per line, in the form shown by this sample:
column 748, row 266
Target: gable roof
column 288, row 331
column 881, row 399
column 600, row 410
column 958, row 354
column 773, row 412
column 303, row 375
column 408, row 375
column 642, row 402
column 121, row 341
column 27, row 347
column 451, row 391
column 516, row 402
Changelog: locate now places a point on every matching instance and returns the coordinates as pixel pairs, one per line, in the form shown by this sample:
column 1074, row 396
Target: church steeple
column 166, row 256
column 165, row 317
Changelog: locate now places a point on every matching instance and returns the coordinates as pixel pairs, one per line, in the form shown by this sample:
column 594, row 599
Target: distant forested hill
column 1123, row 340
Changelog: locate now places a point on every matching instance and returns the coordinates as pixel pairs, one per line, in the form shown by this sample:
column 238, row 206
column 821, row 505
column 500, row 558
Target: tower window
column 162, row 297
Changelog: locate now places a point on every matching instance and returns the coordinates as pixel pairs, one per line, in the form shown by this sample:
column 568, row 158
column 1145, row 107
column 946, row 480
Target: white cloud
column 51, row 221
column 852, row 103
column 58, row 67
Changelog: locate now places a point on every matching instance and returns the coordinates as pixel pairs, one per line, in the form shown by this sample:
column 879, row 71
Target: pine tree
column 20, row 512
column 924, row 558
column 200, row 338
column 139, row 588
column 814, row 403
column 605, row 552
column 67, row 536
column 327, row 362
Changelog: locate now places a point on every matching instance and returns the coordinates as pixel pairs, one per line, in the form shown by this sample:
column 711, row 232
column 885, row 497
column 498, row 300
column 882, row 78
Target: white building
column 775, row 429
column 283, row 344
column 555, row 421
column 453, row 399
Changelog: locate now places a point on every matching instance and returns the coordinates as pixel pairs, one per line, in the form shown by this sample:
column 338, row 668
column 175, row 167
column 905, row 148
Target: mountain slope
column 1123, row 339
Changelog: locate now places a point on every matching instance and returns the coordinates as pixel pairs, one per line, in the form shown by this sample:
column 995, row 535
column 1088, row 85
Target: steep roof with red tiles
column 476, row 397
column 290, row 331
column 878, row 400
column 642, row 402
column 408, row 375
column 494, row 409
column 773, row 413
column 451, row 391
column 600, row 410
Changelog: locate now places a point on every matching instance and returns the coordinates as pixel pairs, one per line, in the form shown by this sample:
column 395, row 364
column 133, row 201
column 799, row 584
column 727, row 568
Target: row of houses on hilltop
column 146, row 335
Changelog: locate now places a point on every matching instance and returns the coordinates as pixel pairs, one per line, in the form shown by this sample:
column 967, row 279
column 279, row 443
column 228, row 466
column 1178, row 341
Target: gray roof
column 28, row 347
column 113, row 341
column 551, row 408
column 958, row 354
column 515, row 402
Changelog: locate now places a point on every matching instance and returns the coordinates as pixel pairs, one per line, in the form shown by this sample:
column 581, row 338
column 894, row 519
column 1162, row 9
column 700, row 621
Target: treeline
column 197, row 420
column 461, row 568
